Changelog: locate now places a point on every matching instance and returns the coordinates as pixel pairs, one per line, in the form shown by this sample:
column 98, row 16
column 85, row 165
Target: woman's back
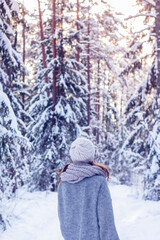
column 85, row 210
column 84, row 202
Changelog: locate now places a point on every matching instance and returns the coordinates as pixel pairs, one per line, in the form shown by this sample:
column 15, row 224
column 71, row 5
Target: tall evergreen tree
column 57, row 120
column 13, row 146
column 152, row 179
column 140, row 148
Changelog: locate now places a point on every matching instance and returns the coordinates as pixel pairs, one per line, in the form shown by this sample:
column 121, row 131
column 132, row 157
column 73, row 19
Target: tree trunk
column 42, row 39
column 157, row 27
column 98, row 90
column 9, row 77
column 88, row 67
column 24, row 50
column 98, row 98
column 78, row 41
column 54, row 47
column 121, row 102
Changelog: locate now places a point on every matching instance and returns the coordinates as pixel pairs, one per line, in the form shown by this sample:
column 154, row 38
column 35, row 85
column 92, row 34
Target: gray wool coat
column 85, row 210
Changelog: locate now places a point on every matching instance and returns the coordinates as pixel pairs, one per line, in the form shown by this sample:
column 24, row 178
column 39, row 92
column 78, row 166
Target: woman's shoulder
column 97, row 180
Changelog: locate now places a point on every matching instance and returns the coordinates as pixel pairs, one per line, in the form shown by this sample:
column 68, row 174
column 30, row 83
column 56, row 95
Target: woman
column 84, row 202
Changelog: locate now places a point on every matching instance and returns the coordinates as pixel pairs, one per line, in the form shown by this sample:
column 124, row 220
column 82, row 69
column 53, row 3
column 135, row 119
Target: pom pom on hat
column 82, row 150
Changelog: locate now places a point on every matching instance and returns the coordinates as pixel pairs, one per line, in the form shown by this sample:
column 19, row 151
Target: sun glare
column 30, row 5
column 127, row 7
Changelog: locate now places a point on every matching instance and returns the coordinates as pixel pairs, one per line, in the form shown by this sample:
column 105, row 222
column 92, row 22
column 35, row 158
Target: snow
column 154, row 166
column 10, row 116
column 157, row 182
column 34, row 216
column 15, row 6
column 150, row 2
column 6, row 44
column 136, row 219
column 6, row 8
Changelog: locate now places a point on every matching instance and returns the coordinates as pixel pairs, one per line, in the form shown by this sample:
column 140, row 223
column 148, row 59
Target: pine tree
column 13, row 146
column 14, row 150
column 58, row 118
column 152, row 180
column 140, row 151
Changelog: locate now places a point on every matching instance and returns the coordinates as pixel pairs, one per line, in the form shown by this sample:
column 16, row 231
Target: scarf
column 78, row 171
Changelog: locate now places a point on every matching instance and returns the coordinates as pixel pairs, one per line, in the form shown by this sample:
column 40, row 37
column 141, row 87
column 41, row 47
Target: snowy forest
column 78, row 68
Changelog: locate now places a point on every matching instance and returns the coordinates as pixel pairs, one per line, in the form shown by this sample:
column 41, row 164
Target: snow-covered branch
column 144, row 29
column 148, row 1
column 141, row 15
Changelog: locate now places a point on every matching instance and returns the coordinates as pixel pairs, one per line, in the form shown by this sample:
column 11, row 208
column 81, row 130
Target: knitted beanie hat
column 82, row 150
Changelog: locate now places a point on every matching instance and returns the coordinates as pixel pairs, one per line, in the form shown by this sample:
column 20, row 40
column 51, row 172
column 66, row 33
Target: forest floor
column 33, row 216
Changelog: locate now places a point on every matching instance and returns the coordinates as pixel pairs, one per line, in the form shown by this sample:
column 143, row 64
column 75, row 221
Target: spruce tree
column 57, row 119
column 140, row 151
column 13, row 146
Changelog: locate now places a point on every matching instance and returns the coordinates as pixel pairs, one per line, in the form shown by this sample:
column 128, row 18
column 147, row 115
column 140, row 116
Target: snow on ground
column 136, row 219
column 34, row 216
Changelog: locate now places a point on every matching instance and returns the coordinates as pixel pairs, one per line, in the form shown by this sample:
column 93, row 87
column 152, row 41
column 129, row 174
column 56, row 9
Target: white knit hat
column 82, row 150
